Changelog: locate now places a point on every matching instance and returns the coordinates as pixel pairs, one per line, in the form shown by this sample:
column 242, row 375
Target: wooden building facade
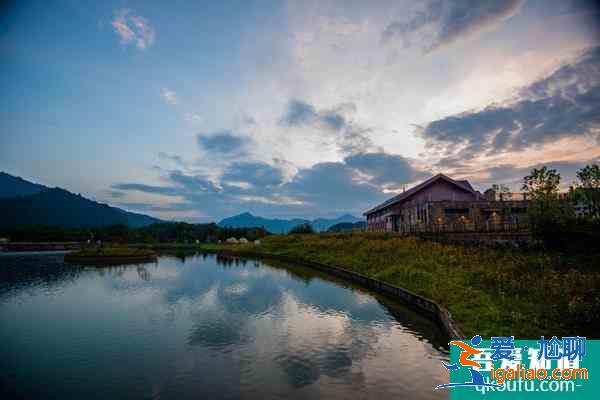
column 442, row 204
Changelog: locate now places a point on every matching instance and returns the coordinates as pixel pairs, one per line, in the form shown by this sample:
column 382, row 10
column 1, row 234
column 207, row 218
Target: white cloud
column 325, row 72
column 133, row 28
column 194, row 118
column 169, row 96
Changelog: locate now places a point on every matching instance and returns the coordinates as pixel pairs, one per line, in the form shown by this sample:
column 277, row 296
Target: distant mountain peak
column 277, row 225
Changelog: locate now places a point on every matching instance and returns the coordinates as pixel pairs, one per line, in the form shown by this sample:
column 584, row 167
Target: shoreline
column 439, row 313
column 109, row 260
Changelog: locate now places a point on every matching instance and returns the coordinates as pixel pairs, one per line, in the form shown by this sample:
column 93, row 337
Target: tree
column 547, row 215
column 542, row 184
column 541, row 187
column 302, row 228
column 587, row 189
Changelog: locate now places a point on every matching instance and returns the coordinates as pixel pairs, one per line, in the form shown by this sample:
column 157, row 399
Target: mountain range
column 276, row 225
column 23, row 203
column 347, row 226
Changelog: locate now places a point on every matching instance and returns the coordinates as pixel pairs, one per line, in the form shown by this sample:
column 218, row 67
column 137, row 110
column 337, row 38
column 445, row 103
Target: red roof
column 462, row 184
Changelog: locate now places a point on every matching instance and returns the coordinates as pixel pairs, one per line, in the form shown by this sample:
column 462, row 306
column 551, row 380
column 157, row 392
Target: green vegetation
column 165, row 234
column 348, row 226
column 587, row 189
column 59, row 207
column 553, row 218
column 488, row 291
column 302, row 228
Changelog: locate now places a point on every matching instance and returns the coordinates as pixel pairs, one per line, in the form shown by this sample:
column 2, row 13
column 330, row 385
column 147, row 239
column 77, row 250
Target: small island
column 111, row 256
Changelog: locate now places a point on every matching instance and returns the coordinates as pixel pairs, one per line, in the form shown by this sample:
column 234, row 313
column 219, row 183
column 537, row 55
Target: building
column 443, row 204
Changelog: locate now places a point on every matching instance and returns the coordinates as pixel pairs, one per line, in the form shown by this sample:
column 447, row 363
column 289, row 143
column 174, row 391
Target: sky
column 199, row 110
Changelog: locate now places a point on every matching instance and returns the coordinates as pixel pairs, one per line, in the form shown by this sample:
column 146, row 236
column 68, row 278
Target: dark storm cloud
column 385, row 169
column 444, row 21
column 224, row 142
column 348, row 137
column 255, row 173
column 565, row 104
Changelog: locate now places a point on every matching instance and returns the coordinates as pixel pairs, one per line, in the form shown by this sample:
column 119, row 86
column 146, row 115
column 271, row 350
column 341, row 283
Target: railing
column 465, row 227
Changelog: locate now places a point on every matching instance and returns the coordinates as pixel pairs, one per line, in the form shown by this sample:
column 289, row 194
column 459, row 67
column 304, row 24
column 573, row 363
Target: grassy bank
column 488, row 291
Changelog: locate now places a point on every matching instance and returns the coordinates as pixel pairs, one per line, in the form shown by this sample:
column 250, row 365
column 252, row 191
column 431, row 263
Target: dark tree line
column 177, row 232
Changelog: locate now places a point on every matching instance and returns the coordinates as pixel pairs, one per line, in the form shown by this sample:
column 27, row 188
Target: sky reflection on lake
column 210, row 327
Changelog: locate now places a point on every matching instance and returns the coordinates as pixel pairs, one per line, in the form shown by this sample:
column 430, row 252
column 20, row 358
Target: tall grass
column 488, row 291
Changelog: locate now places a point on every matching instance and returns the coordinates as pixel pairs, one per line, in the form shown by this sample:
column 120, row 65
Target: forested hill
column 32, row 204
column 12, row 186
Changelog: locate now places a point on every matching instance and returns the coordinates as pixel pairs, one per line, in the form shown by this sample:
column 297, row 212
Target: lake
column 204, row 326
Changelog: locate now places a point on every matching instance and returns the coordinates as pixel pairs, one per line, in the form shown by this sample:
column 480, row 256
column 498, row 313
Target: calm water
column 206, row 327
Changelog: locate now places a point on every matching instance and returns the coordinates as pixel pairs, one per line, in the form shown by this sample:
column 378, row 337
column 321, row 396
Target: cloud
column 140, row 187
column 145, row 207
column 348, row 137
column 569, row 80
column 133, row 28
column 564, row 104
column 332, row 185
column 385, row 169
column 169, row 96
column 180, row 184
column 255, row 173
column 178, row 160
column 299, row 113
column 224, row 142
column 512, row 175
column 441, row 22
column 193, row 183
column 324, row 189
column 115, row 194
column 194, row 118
